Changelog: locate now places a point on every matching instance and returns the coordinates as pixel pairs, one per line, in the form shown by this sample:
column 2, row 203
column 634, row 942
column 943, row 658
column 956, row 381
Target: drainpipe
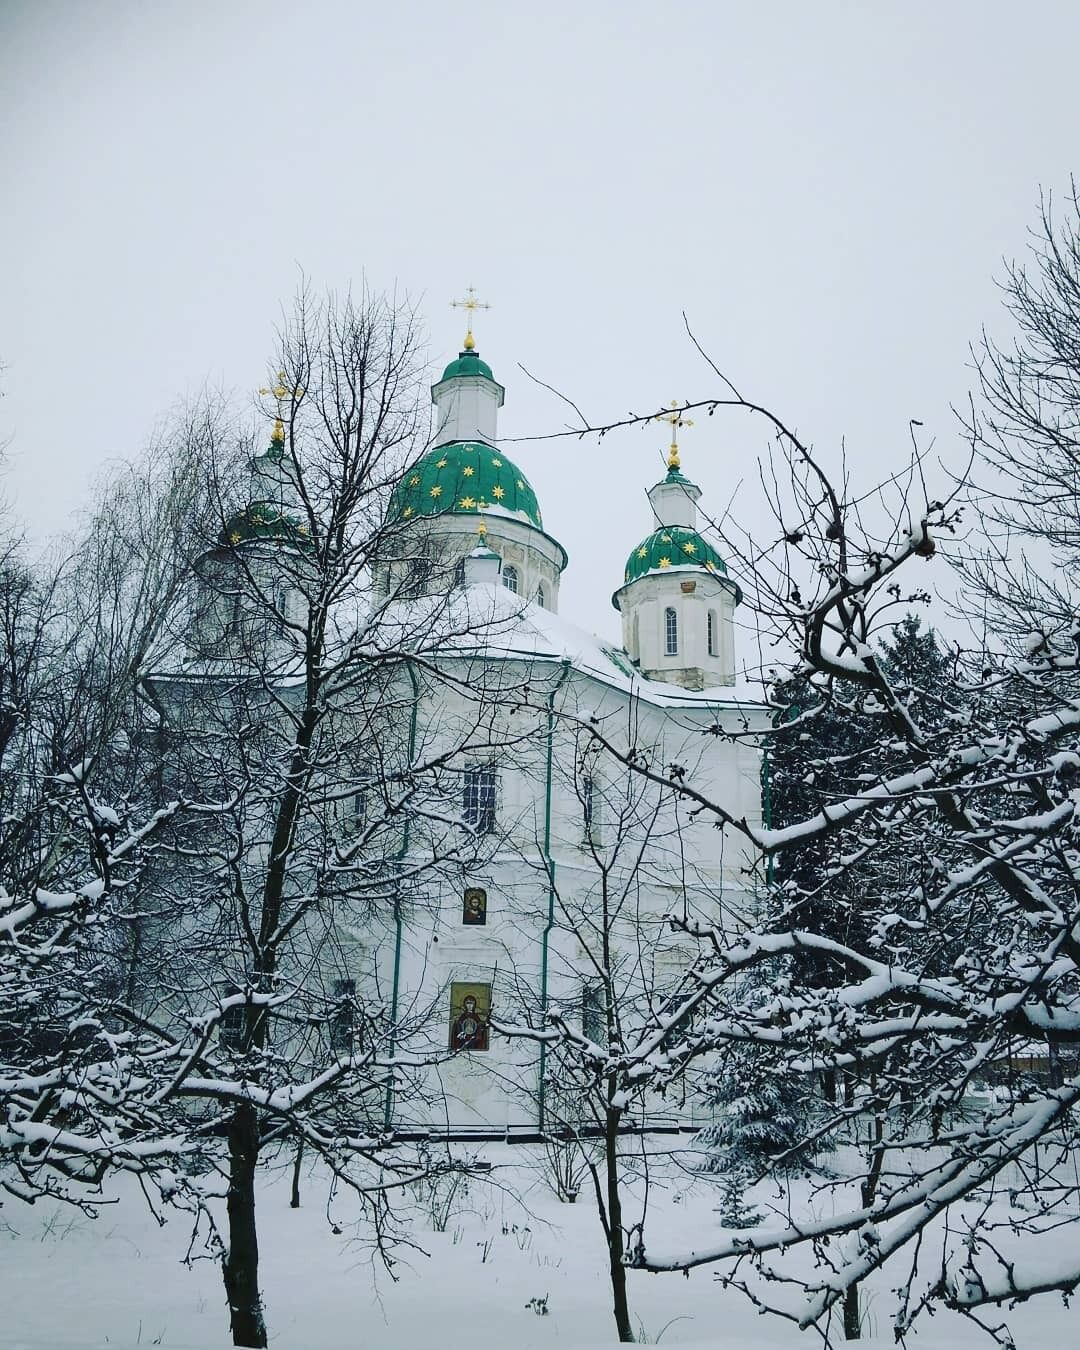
column 766, row 809
column 549, row 863
column 398, row 920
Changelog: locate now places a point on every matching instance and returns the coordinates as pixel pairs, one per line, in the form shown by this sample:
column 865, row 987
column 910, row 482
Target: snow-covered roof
column 492, row 621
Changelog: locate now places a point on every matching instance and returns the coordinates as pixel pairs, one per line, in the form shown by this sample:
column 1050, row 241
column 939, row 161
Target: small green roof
column 674, row 548
column 467, row 363
column 264, row 520
column 467, row 477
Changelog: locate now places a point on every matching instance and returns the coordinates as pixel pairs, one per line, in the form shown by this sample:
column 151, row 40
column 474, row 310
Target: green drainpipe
column 398, row 921
column 766, row 809
column 549, row 863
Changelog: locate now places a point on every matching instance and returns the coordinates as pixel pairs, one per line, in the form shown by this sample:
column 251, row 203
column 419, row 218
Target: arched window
column 671, row 632
column 541, row 596
column 510, row 577
column 711, row 633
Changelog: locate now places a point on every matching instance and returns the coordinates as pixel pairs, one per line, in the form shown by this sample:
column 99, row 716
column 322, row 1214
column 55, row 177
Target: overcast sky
column 827, row 189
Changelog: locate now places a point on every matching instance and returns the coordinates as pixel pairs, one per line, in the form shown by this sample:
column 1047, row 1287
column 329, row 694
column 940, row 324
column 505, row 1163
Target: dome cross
column 470, row 304
column 675, row 420
column 280, row 392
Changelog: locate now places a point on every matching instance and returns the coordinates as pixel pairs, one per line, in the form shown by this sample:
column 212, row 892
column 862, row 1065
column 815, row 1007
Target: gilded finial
column 675, row 420
column 481, row 530
column 280, row 393
column 470, row 305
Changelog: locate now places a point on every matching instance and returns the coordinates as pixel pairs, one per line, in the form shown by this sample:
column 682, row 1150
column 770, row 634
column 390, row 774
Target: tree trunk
column 294, row 1199
column 852, row 1320
column 616, row 1249
column 241, row 1266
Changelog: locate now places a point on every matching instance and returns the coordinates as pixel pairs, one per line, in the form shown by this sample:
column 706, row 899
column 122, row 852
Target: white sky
column 828, row 190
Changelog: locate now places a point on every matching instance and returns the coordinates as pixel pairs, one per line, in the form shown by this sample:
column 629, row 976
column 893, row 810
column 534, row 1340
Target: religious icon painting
column 470, row 1008
column 474, row 906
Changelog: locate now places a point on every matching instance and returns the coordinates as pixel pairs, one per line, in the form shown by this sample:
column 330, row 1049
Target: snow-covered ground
column 68, row 1282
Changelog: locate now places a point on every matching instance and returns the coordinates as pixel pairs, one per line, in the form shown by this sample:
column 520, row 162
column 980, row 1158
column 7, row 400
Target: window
column 541, row 596
column 589, row 813
column 341, row 1018
column 671, row 632
column 478, row 804
column 592, row 1012
column 711, row 631
column 635, row 654
column 420, row 570
column 510, row 577
column 231, row 1026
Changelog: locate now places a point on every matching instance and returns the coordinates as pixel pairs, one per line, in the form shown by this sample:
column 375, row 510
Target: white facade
column 574, row 861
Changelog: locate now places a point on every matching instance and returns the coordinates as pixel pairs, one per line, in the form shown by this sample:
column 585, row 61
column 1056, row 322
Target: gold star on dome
column 441, row 464
column 468, row 471
column 497, row 463
column 642, row 552
column 468, row 503
column 666, row 538
column 414, row 481
column 497, row 493
column 302, row 529
column 407, row 512
column 521, row 485
column 235, row 537
column 689, row 547
column 665, row 562
column 436, row 491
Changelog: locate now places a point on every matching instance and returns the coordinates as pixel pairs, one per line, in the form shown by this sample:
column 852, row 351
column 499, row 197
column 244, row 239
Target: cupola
column 677, row 601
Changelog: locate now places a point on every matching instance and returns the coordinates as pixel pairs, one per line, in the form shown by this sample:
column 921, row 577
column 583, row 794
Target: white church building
column 577, row 861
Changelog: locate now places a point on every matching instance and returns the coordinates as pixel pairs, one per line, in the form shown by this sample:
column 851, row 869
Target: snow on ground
column 68, row 1282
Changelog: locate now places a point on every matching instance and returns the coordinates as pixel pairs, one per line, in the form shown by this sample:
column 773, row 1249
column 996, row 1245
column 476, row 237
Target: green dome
column 677, row 548
column 467, row 363
column 466, row 477
column 264, row 520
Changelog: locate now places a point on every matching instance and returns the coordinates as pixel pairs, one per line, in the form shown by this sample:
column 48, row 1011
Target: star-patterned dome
column 264, row 521
column 672, row 547
column 465, row 477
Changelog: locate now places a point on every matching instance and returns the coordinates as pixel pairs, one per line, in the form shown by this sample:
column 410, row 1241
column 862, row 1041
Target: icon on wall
column 474, row 906
column 470, row 1007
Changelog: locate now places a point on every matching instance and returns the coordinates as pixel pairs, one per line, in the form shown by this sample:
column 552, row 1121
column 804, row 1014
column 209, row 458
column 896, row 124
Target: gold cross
column 675, row 420
column 280, row 393
column 471, row 305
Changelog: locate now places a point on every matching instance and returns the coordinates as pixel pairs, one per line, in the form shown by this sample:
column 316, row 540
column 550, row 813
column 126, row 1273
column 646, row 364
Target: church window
column 510, row 578
column 635, row 652
column 711, row 631
column 592, row 1012
column 478, row 803
column 231, row 1026
column 541, row 596
column 589, row 815
column 671, row 632
column 419, row 575
column 341, row 1018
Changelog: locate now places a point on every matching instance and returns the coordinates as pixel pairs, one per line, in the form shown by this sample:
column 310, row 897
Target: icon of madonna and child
column 470, row 1008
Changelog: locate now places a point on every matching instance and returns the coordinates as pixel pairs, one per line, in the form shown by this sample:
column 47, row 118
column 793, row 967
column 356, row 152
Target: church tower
column 463, row 482
column 677, row 601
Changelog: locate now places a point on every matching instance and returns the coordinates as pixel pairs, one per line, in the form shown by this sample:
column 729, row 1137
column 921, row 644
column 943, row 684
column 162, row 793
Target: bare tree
column 984, row 798
column 616, row 970
column 288, row 704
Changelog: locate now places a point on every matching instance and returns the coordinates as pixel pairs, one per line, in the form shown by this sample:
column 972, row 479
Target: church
column 556, row 897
